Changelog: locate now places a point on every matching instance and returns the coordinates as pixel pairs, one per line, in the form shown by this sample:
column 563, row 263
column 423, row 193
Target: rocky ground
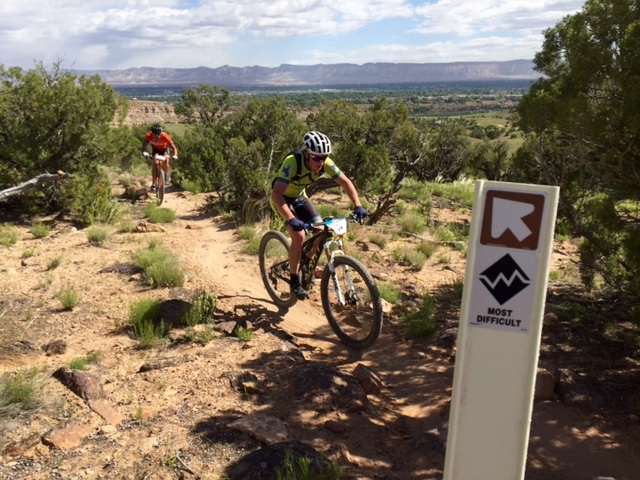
column 195, row 407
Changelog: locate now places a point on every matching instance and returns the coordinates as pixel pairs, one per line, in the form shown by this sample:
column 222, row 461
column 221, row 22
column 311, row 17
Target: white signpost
column 505, row 287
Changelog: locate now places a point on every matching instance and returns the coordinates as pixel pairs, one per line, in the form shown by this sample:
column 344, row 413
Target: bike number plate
column 337, row 225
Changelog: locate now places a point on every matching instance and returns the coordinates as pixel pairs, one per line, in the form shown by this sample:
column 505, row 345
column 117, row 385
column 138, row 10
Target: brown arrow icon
column 512, row 219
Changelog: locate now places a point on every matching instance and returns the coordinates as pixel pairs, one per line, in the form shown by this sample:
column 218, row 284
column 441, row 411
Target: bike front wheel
column 274, row 268
column 161, row 181
column 351, row 302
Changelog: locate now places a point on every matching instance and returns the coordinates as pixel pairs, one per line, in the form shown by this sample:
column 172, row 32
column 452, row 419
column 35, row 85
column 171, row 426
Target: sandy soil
column 175, row 419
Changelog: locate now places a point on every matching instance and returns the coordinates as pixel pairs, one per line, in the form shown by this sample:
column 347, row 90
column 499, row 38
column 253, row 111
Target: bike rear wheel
column 274, row 268
column 351, row 302
column 161, row 181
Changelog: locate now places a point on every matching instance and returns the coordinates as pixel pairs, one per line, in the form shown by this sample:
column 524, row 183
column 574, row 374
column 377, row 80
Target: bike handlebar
column 320, row 225
column 162, row 158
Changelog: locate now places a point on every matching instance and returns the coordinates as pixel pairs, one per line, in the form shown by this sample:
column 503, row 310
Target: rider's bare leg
column 294, row 251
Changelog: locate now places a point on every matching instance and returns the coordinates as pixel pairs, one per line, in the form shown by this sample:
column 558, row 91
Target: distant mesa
column 319, row 75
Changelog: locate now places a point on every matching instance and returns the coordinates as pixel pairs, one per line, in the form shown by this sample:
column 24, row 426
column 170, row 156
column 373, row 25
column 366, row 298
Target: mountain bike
column 350, row 297
column 160, row 181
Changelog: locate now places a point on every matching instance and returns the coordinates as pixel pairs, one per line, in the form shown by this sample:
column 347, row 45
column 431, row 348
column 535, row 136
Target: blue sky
column 119, row 34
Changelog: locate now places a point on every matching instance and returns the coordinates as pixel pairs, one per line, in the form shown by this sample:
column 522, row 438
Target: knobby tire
column 357, row 323
column 160, row 184
column 274, row 268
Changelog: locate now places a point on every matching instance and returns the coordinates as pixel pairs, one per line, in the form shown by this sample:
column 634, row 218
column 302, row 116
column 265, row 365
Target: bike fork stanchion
column 336, row 284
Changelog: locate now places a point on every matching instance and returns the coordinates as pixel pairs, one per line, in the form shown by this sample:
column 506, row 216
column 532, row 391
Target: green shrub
column 40, row 230
column 98, row 234
column 80, row 363
column 201, row 310
column 461, row 191
column 401, row 207
column 125, row 180
column 201, row 337
column 399, row 252
column 8, row 234
column 143, row 316
column 69, row 297
column 326, row 210
column 167, row 274
column 412, row 189
column 416, row 259
column 444, row 259
column 253, row 247
column 20, row 391
column 247, row 232
column 412, row 222
column 414, row 192
column 191, row 186
column 378, row 239
column 303, row 468
column 160, row 265
column 444, row 234
column 389, row 292
column 426, row 248
column 155, row 253
column 421, row 324
column 157, row 214
column 126, row 225
column 89, row 199
column 244, row 334
column 407, row 255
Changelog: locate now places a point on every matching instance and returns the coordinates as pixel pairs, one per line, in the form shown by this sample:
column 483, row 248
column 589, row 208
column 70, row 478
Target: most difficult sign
column 510, row 243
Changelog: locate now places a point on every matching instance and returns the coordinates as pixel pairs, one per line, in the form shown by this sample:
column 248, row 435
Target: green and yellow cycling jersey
column 296, row 181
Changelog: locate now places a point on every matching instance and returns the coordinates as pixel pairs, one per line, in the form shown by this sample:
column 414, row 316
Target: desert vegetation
column 576, row 128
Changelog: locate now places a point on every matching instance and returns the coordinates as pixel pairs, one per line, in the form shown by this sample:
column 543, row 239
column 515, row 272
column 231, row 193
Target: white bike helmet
column 317, row 143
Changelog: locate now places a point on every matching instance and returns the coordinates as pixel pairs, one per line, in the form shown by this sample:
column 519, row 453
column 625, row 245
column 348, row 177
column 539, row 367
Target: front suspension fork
column 347, row 274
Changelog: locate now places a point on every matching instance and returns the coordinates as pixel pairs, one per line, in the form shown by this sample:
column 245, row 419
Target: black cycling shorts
column 157, row 151
column 303, row 209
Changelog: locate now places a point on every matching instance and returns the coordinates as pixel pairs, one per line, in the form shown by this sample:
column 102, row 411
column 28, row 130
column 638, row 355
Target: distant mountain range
column 318, row 75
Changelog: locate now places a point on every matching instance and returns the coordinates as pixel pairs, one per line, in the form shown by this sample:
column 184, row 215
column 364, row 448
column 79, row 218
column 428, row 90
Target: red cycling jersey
column 161, row 143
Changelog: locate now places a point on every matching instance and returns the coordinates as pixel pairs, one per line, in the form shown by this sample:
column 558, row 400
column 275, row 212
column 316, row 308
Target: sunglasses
column 317, row 158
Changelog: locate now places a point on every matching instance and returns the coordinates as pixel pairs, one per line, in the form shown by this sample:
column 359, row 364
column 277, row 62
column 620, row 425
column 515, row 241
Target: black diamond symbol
column 504, row 279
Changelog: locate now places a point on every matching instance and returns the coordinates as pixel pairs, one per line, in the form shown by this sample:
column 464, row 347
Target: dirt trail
column 174, row 409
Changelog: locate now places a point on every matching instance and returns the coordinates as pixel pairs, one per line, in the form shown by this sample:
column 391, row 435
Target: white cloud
column 434, row 52
column 186, row 33
column 464, row 18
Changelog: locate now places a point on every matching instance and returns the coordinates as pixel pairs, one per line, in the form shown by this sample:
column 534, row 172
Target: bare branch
column 34, row 182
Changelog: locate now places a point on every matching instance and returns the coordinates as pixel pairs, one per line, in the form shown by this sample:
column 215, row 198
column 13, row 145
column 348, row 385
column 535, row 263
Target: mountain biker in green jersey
column 289, row 198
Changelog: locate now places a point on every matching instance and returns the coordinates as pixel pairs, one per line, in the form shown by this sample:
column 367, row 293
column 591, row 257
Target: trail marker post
column 503, row 301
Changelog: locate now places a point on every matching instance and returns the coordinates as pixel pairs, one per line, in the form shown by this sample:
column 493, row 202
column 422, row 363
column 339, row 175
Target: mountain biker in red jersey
column 161, row 144
column 289, row 198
